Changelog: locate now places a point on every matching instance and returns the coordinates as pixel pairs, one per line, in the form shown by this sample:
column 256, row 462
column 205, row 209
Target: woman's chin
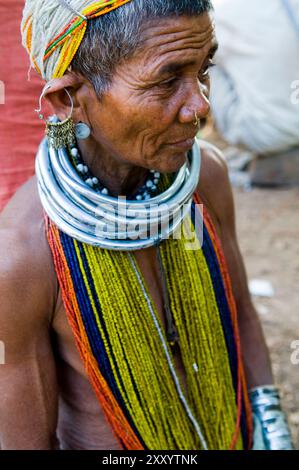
column 173, row 163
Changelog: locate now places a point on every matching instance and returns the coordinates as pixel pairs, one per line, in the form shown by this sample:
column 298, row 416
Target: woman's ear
column 55, row 93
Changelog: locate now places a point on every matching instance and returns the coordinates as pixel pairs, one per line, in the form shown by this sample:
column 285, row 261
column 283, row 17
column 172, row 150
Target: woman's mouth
column 183, row 144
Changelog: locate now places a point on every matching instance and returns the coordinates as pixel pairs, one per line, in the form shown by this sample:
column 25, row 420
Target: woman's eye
column 169, row 83
column 206, row 71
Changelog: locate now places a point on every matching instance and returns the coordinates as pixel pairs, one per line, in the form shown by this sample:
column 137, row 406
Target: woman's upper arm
column 28, row 388
column 218, row 193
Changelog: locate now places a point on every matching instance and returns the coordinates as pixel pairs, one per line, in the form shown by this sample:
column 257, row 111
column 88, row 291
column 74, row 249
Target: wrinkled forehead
column 191, row 37
column 168, row 30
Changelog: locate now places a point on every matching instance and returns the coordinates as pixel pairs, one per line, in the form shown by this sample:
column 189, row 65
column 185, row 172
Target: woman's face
column 147, row 117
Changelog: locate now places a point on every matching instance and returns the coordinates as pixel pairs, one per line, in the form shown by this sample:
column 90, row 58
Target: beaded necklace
column 145, row 192
column 118, row 333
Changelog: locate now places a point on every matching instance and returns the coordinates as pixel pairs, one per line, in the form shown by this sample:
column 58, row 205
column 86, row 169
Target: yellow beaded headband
column 68, row 40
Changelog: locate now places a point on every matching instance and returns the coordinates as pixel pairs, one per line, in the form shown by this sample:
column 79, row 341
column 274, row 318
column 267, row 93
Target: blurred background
column 254, row 120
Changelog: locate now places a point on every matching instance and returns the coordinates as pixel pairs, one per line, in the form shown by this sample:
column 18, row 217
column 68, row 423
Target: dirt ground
column 268, row 230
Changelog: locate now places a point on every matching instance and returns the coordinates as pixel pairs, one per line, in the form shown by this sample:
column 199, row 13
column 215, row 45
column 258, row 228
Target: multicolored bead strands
column 122, row 339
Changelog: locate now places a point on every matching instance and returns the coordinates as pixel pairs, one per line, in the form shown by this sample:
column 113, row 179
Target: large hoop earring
column 59, row 133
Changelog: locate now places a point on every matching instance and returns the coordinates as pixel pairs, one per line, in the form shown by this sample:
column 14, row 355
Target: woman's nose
column 196, row 106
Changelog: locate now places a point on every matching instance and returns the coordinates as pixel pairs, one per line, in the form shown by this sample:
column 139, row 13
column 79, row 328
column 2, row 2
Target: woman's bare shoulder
column 214, row 185
column 26, row 269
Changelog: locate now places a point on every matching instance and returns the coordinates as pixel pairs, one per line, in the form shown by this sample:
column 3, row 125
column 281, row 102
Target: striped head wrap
column 52, row 31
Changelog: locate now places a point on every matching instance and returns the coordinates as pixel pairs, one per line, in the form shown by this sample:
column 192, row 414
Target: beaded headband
column 71, row 36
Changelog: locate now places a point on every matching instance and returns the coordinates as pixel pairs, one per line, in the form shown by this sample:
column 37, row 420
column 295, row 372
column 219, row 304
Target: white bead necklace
column 144, row 193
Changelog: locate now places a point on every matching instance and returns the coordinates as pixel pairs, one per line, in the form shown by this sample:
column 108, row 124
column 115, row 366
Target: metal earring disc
column 82, row 131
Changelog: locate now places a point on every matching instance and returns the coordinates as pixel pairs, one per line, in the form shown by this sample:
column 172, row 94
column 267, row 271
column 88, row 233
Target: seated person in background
column 252, row 99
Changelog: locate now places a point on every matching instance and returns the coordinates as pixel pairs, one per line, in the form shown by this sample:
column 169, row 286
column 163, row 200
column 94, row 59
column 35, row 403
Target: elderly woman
column 131, row 255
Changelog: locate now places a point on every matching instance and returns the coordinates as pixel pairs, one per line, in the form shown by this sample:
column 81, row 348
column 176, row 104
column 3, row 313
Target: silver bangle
column 271, row 431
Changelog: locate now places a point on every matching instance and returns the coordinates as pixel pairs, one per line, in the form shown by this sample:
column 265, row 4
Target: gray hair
column 112, row 38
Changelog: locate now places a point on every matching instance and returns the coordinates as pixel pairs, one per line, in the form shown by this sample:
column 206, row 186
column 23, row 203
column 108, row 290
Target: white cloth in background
column 257, row 62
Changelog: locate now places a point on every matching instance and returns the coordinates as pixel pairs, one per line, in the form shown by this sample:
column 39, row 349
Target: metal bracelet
column 270, row 419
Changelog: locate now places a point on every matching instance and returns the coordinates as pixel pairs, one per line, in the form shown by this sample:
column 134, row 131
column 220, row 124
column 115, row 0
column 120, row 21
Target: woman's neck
column 120, row 178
